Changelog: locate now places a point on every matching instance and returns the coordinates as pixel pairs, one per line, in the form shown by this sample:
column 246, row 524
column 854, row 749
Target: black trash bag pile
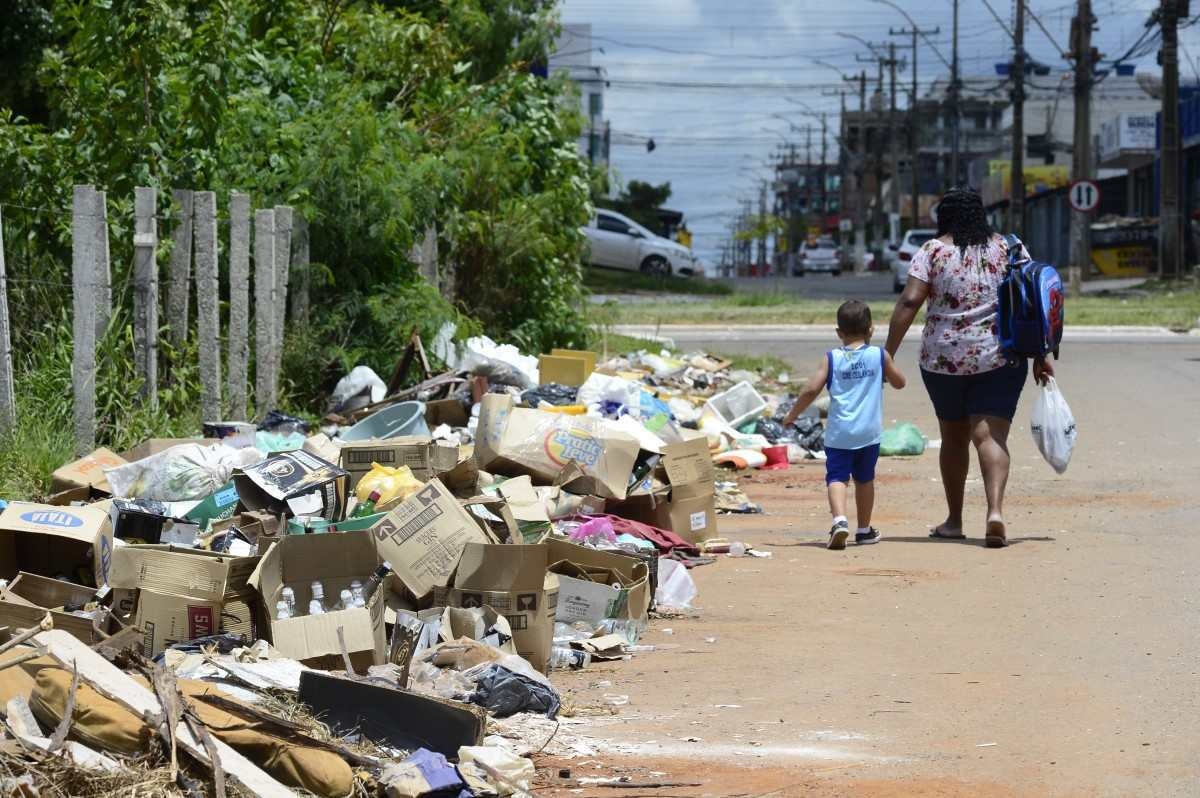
column 810, row 433
column 504, row 692
column 550, row 393
column 774, row 431
column 283, row 424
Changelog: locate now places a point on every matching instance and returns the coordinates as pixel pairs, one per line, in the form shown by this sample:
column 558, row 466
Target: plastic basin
column 405, row 418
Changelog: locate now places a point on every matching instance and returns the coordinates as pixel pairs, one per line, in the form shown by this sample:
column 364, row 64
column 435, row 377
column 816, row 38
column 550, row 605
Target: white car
column 618, row 242
column 822, row 255
column 908, row 246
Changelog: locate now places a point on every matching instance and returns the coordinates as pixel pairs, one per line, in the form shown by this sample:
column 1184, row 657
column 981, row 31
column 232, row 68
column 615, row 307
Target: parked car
column 903, row 255
column 618, row 242
column 822, row 255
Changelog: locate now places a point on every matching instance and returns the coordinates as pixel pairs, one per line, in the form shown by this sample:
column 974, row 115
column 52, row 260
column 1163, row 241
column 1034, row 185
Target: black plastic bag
column 551, row 393
column 773, row 431
column 282, row 423
column 505, row 693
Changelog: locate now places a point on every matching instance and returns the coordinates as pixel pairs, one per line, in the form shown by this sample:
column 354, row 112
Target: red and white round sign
column 1084, row 196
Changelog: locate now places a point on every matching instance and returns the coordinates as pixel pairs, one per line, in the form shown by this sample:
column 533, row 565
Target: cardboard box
column 632, row 572
column 686, row 504
column 542, row 444
column 572, row 371
column 446, row 411
column 86, row 471
column 77, row 496
column 294, row 482
column 494, row 409
column 27, row 598
column 259, row 527
column 515, row 581
column 527, row 507
column 137, row 521
column 424, row 537
column 47, row 540
column 588, row 357
column 335, row 560
column 182, row 591
column 426, row 458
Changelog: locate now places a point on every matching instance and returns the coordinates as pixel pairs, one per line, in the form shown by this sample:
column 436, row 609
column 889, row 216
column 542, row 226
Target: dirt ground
column 1066, row 664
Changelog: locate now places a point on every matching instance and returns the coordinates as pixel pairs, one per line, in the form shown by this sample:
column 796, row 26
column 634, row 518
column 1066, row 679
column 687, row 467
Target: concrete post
column 264, row 313
column 239, row 302
column 208, row 318
column 300, row 262
column 103, row 282
column 283, row 266
column 181, row 267
column 85, row 249
column 145, row 291
column 8, row 407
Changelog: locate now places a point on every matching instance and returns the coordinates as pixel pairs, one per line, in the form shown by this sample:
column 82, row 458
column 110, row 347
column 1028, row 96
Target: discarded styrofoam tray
column 736, row 406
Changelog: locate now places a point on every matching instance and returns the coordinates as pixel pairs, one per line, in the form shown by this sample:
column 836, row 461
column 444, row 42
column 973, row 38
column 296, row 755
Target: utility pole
column 824, row 175
column 762, row 223
column 955, row 99
column 1081, row 167
column 1170, row 222
column 808, row 192
column 877, row 225
column 894, row 188
column 1016, row 203
column 859, row 169
column 914, row 138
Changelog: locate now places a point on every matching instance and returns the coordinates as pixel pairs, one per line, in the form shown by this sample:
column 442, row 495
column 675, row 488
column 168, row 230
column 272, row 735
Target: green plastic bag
column 902, row 440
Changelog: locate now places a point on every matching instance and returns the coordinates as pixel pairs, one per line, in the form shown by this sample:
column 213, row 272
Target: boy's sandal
column 942, row 533
column 996, row 536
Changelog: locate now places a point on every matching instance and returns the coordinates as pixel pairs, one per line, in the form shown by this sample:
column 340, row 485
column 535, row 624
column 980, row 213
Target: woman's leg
column 954, row 459
column 990, row 436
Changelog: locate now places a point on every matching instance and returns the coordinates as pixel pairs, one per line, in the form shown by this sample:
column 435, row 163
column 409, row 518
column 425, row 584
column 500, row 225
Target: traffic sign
column 1084, row 196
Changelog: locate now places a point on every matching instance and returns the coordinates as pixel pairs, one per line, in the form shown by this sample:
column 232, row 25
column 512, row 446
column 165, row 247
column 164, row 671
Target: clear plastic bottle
column 345, row 600
column 630, row 629
column 737, row 549
column 288, row 595
column 356, row 590
column 282, row 610
column 317, row 605
column 563, row 657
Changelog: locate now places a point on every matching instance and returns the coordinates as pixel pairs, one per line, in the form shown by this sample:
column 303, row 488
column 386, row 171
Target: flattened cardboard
column 513, row 579
column 288, row 476
column 541, row 444
column 335, row 560
column 477, row 623
column 424, row 536
column 85, row 472
column 528, row 509
column 47, row 540
column 633, row 571
column 494, row 409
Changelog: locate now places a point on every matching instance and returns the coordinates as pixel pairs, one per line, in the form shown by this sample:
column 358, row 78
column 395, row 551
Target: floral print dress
column 960, row 320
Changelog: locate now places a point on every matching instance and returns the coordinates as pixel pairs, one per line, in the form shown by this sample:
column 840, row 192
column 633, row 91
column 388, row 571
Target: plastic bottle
column 345, row 600
column 368, row 507
column 282, row 610
column 356, row 590
column 288, row 595
column 562, row 657
column 737, row 549
column 317, row 605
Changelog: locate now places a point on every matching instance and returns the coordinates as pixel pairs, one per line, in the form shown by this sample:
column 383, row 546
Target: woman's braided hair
column 960, row 215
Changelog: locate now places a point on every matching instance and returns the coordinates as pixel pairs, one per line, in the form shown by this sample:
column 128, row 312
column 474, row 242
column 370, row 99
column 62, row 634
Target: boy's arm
column 894, row 375
column 812, row 389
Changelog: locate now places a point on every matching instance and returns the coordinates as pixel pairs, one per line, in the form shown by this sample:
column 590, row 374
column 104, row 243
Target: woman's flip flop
column 941, row 533
column 995, row 537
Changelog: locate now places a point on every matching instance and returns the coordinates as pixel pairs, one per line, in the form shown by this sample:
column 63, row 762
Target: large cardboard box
column 295, row 482
column 27, row 598
column 49, row 541
column 422, row 455
column 86, row 471
column 185, row 593
column 335, row 560
column 563, row 370
column 685, row 505
column 631, row 572
column 542, row 444
column 514, row 580
column 587, row 356
column 424, row 536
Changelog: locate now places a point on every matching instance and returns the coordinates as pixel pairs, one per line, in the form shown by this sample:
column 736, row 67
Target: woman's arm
column 913, row 297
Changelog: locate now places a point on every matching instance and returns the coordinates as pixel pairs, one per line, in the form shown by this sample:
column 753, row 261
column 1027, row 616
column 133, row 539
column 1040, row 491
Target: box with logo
column 186, row 593
column 55, row 541
column 683, row 502
column 86, row 472
column 512, row 579
column 334, row 560
column 294, row 482
column 422, row 455
column 29, row 597
column 542, row 444
column 603, row 569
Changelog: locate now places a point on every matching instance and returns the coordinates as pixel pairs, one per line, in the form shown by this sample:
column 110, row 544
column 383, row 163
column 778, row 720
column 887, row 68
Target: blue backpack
column 1030, row 313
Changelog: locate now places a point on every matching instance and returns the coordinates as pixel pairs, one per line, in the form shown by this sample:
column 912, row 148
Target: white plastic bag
column 503, row 363
column 1053, row 426
column 676, row 588
column 360, row 379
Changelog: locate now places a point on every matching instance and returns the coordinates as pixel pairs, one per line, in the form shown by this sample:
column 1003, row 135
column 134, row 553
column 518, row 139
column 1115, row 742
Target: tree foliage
column 641, row 202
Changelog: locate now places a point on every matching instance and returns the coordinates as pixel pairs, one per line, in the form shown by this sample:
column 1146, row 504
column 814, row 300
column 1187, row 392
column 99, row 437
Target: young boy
column 854, row 375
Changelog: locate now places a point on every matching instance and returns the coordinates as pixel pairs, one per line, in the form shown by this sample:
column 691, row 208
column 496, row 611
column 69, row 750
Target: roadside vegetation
column 615, row 281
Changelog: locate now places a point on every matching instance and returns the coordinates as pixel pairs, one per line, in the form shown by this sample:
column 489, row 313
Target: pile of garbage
column 351, row 606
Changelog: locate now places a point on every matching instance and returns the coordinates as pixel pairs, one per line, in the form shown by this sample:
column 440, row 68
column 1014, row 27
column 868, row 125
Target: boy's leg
column 837, row 499
column 865, row 461
column 864, row 502
column 839, row 463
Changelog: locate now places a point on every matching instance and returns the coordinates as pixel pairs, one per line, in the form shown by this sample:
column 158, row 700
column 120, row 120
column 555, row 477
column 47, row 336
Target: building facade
column 572, row 55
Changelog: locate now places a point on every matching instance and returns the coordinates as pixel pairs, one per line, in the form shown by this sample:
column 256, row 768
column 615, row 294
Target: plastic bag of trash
column 1053, row 426
column 676, row 588
column 502, row 363
column 773, row 431
column 902, row 440
column 361, row 387
column 390, row 482
column 601, row 388
column 551, row 393
column 506, row 693
column 283, row 423
column 185, row 472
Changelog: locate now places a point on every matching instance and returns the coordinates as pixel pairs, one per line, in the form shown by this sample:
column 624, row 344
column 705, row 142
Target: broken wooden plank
column 108, row 680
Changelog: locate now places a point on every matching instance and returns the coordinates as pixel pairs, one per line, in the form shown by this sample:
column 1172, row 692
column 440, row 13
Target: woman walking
column 973, row 388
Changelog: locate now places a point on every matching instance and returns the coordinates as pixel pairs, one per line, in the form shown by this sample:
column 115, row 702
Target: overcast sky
column 713, row 142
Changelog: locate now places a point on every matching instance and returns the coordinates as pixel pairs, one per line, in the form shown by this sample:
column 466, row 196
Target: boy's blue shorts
column 841, row 464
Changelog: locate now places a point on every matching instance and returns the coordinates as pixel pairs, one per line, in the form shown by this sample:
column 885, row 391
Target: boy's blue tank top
column 855, row 386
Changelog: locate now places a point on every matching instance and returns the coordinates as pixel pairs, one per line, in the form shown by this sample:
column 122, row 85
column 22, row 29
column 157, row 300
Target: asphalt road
column 869, row 286
column 1065, row 664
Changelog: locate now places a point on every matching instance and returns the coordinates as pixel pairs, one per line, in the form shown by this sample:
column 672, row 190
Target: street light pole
column 1016, row 203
